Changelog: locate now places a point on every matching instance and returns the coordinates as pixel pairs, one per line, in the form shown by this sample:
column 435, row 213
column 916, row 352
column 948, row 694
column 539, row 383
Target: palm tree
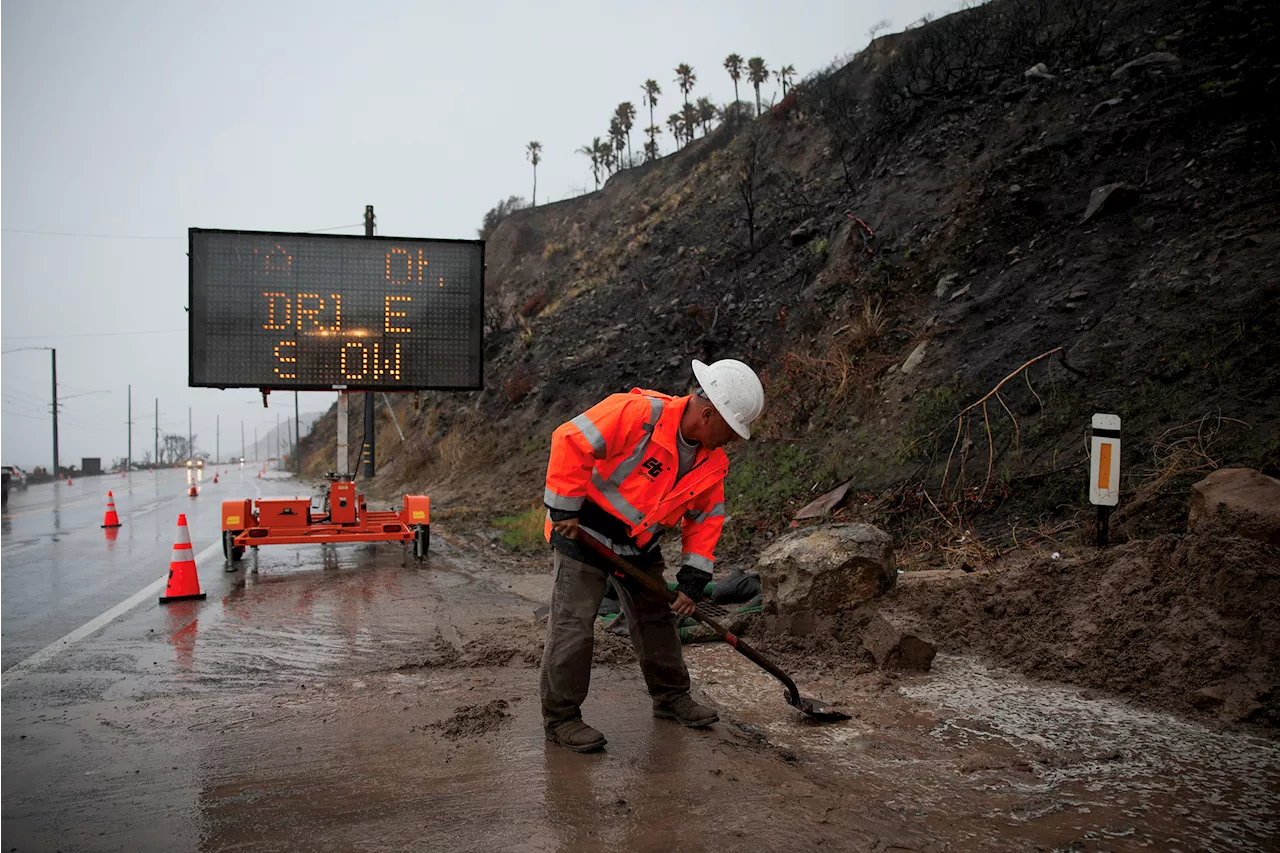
column 651, row 147
column 533, row 152
column 626, row 114
column 785, row 73
column 685, row 78
column 757, row 73
column 604, row 152
column 689, row 117
column 706, row 114
column 651, row 93
column 680, row 128
column 617, row 138
column 733, row 64
column 593, row 151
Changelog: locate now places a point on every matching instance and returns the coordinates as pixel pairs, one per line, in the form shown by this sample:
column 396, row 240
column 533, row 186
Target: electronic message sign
column 324, row 311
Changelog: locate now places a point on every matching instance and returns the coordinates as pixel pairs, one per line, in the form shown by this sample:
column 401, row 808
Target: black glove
column 692, row 582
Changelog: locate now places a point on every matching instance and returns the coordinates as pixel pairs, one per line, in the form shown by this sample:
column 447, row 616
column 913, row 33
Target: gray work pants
column 566, row 659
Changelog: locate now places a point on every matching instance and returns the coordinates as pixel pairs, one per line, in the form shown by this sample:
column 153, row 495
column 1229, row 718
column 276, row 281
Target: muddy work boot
column 576, row 735
column 686, row 712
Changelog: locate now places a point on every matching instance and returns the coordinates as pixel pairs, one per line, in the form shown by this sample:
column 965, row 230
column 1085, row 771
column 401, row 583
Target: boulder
column 825, row 570
column 803, row 233
column 913, row 360
column 944, row 282
column 1109, row 199
column 897, row 642
column 1207, row 698
column 1245, row 500
column 1105, row 106
column 1039, row 71
column 1156, row 62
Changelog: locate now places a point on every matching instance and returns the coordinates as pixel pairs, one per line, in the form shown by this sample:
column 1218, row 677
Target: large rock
column 1242, row 499
column 1152, row 62
column 825, row 570
column 1109, row 199
column 897, row 642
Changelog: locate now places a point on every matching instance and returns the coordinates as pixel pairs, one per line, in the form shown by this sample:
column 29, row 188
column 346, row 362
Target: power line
column 90, row 335
column 142, row 236
column 84, row 234
column 13, row 414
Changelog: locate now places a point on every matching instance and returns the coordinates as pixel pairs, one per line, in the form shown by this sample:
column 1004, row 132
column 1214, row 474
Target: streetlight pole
column 54, row 354
column 53, row 364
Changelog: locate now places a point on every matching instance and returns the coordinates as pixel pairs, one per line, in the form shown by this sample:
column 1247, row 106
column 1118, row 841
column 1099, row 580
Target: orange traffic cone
column 68, row 479
column 122, row 475
column 111, row 519
column 215, row 476
column 193, row 491
column 183, row 581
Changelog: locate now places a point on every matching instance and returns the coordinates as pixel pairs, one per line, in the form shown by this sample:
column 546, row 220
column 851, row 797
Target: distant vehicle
column 17, row 477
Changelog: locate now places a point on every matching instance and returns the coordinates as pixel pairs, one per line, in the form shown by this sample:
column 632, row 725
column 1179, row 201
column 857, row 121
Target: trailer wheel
column 231, row 553
column 421, row 541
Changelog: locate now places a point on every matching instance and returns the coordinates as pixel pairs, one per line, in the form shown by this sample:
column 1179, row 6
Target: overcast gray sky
column 141, row 119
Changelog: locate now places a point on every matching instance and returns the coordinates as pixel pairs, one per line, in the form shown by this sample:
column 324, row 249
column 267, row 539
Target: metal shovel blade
column 816, row 709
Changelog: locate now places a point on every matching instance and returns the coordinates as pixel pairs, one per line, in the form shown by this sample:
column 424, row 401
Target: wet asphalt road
column 325, row 698
column 60, row 569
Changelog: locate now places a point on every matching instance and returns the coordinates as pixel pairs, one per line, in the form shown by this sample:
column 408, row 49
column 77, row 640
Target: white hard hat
column 735, row 391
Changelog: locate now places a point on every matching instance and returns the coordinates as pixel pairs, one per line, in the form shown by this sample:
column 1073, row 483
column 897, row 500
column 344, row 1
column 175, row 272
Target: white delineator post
column 1104, row 469
column 342, row 433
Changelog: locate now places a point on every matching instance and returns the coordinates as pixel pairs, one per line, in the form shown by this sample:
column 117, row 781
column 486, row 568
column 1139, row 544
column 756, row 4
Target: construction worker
column 623, row 472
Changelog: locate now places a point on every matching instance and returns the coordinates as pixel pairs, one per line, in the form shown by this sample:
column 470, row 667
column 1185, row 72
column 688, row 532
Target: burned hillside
column 1078, row 217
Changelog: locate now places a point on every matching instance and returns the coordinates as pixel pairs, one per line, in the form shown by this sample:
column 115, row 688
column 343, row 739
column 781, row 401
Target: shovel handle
column 623, row 569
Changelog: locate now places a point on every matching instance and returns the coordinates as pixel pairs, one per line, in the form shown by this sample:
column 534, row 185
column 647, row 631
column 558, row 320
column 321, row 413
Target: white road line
column 57, row 647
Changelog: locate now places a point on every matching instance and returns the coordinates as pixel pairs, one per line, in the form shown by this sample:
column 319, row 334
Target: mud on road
column 343, row 699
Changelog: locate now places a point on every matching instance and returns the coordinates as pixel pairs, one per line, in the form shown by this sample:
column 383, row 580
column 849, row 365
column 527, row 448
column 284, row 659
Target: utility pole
column 297, row 436
column 54, row 354
column 217, row 444
column 255, row 444
column 368, row 452
column 157, row 460
column 128, row 457
column 191, row 441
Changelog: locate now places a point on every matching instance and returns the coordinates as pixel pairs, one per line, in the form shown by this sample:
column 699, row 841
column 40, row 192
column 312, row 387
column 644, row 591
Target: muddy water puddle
column 994, row 755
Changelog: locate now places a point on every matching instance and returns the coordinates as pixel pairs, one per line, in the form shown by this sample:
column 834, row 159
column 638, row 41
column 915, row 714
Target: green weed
column 523, row 531
column 767, row 478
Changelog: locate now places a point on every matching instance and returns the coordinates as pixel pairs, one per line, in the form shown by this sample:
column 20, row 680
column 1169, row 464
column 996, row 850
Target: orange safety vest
column 622, row 455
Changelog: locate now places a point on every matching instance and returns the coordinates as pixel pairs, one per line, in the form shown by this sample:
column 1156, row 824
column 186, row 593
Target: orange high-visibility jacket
column 621, row 453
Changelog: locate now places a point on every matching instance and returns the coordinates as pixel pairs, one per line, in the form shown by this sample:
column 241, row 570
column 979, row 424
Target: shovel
column 810, row 707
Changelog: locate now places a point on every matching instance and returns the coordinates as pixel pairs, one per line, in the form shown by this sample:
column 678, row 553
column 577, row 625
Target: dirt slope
column 919, row 238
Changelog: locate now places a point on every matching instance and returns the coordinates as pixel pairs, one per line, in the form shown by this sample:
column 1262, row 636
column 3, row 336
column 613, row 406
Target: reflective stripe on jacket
column 622, row 454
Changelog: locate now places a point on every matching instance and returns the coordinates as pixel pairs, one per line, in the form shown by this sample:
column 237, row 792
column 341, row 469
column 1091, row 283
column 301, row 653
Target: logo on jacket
column 652, row 467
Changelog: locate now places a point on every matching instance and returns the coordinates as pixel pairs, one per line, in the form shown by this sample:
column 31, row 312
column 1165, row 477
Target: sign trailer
column 318, row 312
